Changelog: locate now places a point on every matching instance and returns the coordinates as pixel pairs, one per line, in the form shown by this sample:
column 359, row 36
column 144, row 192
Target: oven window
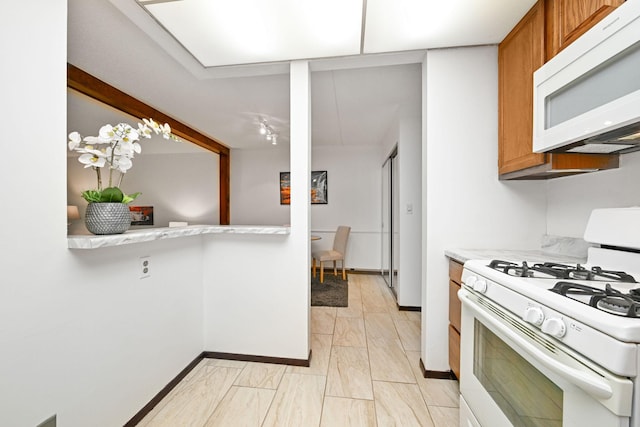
column 524, row 394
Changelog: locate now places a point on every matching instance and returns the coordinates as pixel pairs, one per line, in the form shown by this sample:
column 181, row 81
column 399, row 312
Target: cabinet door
column 519, row 55
column 454, row 351
column 569, row 19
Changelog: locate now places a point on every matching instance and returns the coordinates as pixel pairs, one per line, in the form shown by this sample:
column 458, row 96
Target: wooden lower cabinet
column 454, row 351
column 455, row 309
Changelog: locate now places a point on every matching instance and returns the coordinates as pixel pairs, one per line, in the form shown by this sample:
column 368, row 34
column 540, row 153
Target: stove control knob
column 470, row 281
column 480, row 286
column 534, row 315
column 555, row 327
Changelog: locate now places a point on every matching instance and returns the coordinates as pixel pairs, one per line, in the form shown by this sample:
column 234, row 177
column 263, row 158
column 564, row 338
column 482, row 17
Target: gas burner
column 553, row 270
column 608, row 299
column 579, row 272
column 511, row 268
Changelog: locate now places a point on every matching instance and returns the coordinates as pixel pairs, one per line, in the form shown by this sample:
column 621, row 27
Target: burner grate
column 607, row 299
column 560, row 271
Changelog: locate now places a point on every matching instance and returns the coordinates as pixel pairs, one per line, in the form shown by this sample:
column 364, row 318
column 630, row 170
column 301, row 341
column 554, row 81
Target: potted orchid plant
column 113, row 150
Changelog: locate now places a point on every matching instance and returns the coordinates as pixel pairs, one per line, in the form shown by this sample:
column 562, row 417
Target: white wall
column 255, row 186
column 571, row 199
column 81, row 335
column 464, row 204
column 353, row 174
column 257, row 288
column 409, row 286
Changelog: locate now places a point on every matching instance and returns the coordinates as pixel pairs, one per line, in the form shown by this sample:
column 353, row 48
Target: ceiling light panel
column 399, row 25
column 233, row 32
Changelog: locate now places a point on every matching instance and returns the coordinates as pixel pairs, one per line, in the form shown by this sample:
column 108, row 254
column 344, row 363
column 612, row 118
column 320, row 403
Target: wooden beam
column 225, row 186
column 95, row 88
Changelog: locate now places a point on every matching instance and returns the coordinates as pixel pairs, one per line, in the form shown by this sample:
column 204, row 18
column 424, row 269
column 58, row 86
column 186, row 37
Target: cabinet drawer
column 454, row 305
column 454, row 351
column 455, row 271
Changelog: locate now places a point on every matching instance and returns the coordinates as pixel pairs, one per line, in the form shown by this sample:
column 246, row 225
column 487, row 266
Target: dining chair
column 338, row 253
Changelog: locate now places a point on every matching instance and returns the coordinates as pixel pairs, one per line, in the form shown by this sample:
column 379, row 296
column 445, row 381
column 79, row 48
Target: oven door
column 513, row 375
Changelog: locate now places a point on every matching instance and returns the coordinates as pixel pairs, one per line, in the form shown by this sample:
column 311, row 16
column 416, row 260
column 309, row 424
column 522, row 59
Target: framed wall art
column 141, row 215
column 319, row 188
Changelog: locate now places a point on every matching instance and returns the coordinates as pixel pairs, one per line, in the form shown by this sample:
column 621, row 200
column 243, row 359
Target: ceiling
column 358, row 91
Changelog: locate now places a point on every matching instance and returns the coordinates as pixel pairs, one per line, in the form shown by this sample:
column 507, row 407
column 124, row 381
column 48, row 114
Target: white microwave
column 587, row 98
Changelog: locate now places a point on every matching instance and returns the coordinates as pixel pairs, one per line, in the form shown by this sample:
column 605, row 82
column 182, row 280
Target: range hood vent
column 618, row 141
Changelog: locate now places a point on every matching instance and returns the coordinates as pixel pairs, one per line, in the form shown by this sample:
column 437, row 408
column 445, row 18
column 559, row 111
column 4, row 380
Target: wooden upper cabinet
column 519, row 55
column 569, row 19
column 523, row 51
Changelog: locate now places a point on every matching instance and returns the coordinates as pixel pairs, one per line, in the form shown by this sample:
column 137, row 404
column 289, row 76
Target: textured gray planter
column 107, row 218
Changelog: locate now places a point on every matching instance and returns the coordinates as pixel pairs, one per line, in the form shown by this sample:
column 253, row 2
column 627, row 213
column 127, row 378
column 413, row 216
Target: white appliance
column 587, row 98
column 550, row 344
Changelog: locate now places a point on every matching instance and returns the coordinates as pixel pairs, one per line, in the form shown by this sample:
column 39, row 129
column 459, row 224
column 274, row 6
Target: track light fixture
column 268, row 131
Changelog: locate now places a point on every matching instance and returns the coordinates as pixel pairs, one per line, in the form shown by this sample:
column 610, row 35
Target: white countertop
column 463, row 255
column 150, row 234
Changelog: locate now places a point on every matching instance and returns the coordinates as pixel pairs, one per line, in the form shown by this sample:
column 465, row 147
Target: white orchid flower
column 106, row 133
column 125, row 148
column 91, row 160
column 74, row 140
column 131, row 135
column 90, row 149
column 123, row 164
column 94, row 140
column 144, row 130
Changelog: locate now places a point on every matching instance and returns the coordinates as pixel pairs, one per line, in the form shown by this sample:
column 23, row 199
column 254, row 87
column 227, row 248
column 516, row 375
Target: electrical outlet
column 144, row 266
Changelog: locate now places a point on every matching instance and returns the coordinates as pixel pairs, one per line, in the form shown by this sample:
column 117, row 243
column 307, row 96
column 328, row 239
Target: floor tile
column 435, row 391
column 298, row 402
column 342, row 412
column 320, row 353
column 323, row 320
column 193, row 402
column 260, row 375
column 400, row 405
column 349, row 373
column 349, row 332
column 438, row 392
column 242, row 407
column 380, row 326
column 445, row 417
column 409, row 334
column 353, row 310
column 389, row 362
column 225, row 363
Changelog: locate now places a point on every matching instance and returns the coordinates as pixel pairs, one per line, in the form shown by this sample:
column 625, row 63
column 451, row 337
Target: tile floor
column 364, row 372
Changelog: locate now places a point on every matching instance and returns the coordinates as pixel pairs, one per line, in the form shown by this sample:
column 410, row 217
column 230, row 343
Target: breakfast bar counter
column 91, row 241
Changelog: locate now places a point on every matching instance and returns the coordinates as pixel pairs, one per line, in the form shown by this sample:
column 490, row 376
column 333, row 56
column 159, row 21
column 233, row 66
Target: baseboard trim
column 360, row 271
column 260, row 359
column 329, row 269
column 163, row 393
column 408, row 308
column 440, row 375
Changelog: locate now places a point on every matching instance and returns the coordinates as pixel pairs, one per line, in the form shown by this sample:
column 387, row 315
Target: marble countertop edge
column 533, row 255
column 151, row 234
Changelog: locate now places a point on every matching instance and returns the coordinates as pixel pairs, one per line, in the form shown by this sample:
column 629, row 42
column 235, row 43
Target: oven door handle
column 590, row 383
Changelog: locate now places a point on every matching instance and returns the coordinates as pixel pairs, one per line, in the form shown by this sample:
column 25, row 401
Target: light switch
column 409, row 208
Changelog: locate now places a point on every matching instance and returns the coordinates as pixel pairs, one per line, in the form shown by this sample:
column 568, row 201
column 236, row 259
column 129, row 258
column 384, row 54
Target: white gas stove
column 587, row 313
